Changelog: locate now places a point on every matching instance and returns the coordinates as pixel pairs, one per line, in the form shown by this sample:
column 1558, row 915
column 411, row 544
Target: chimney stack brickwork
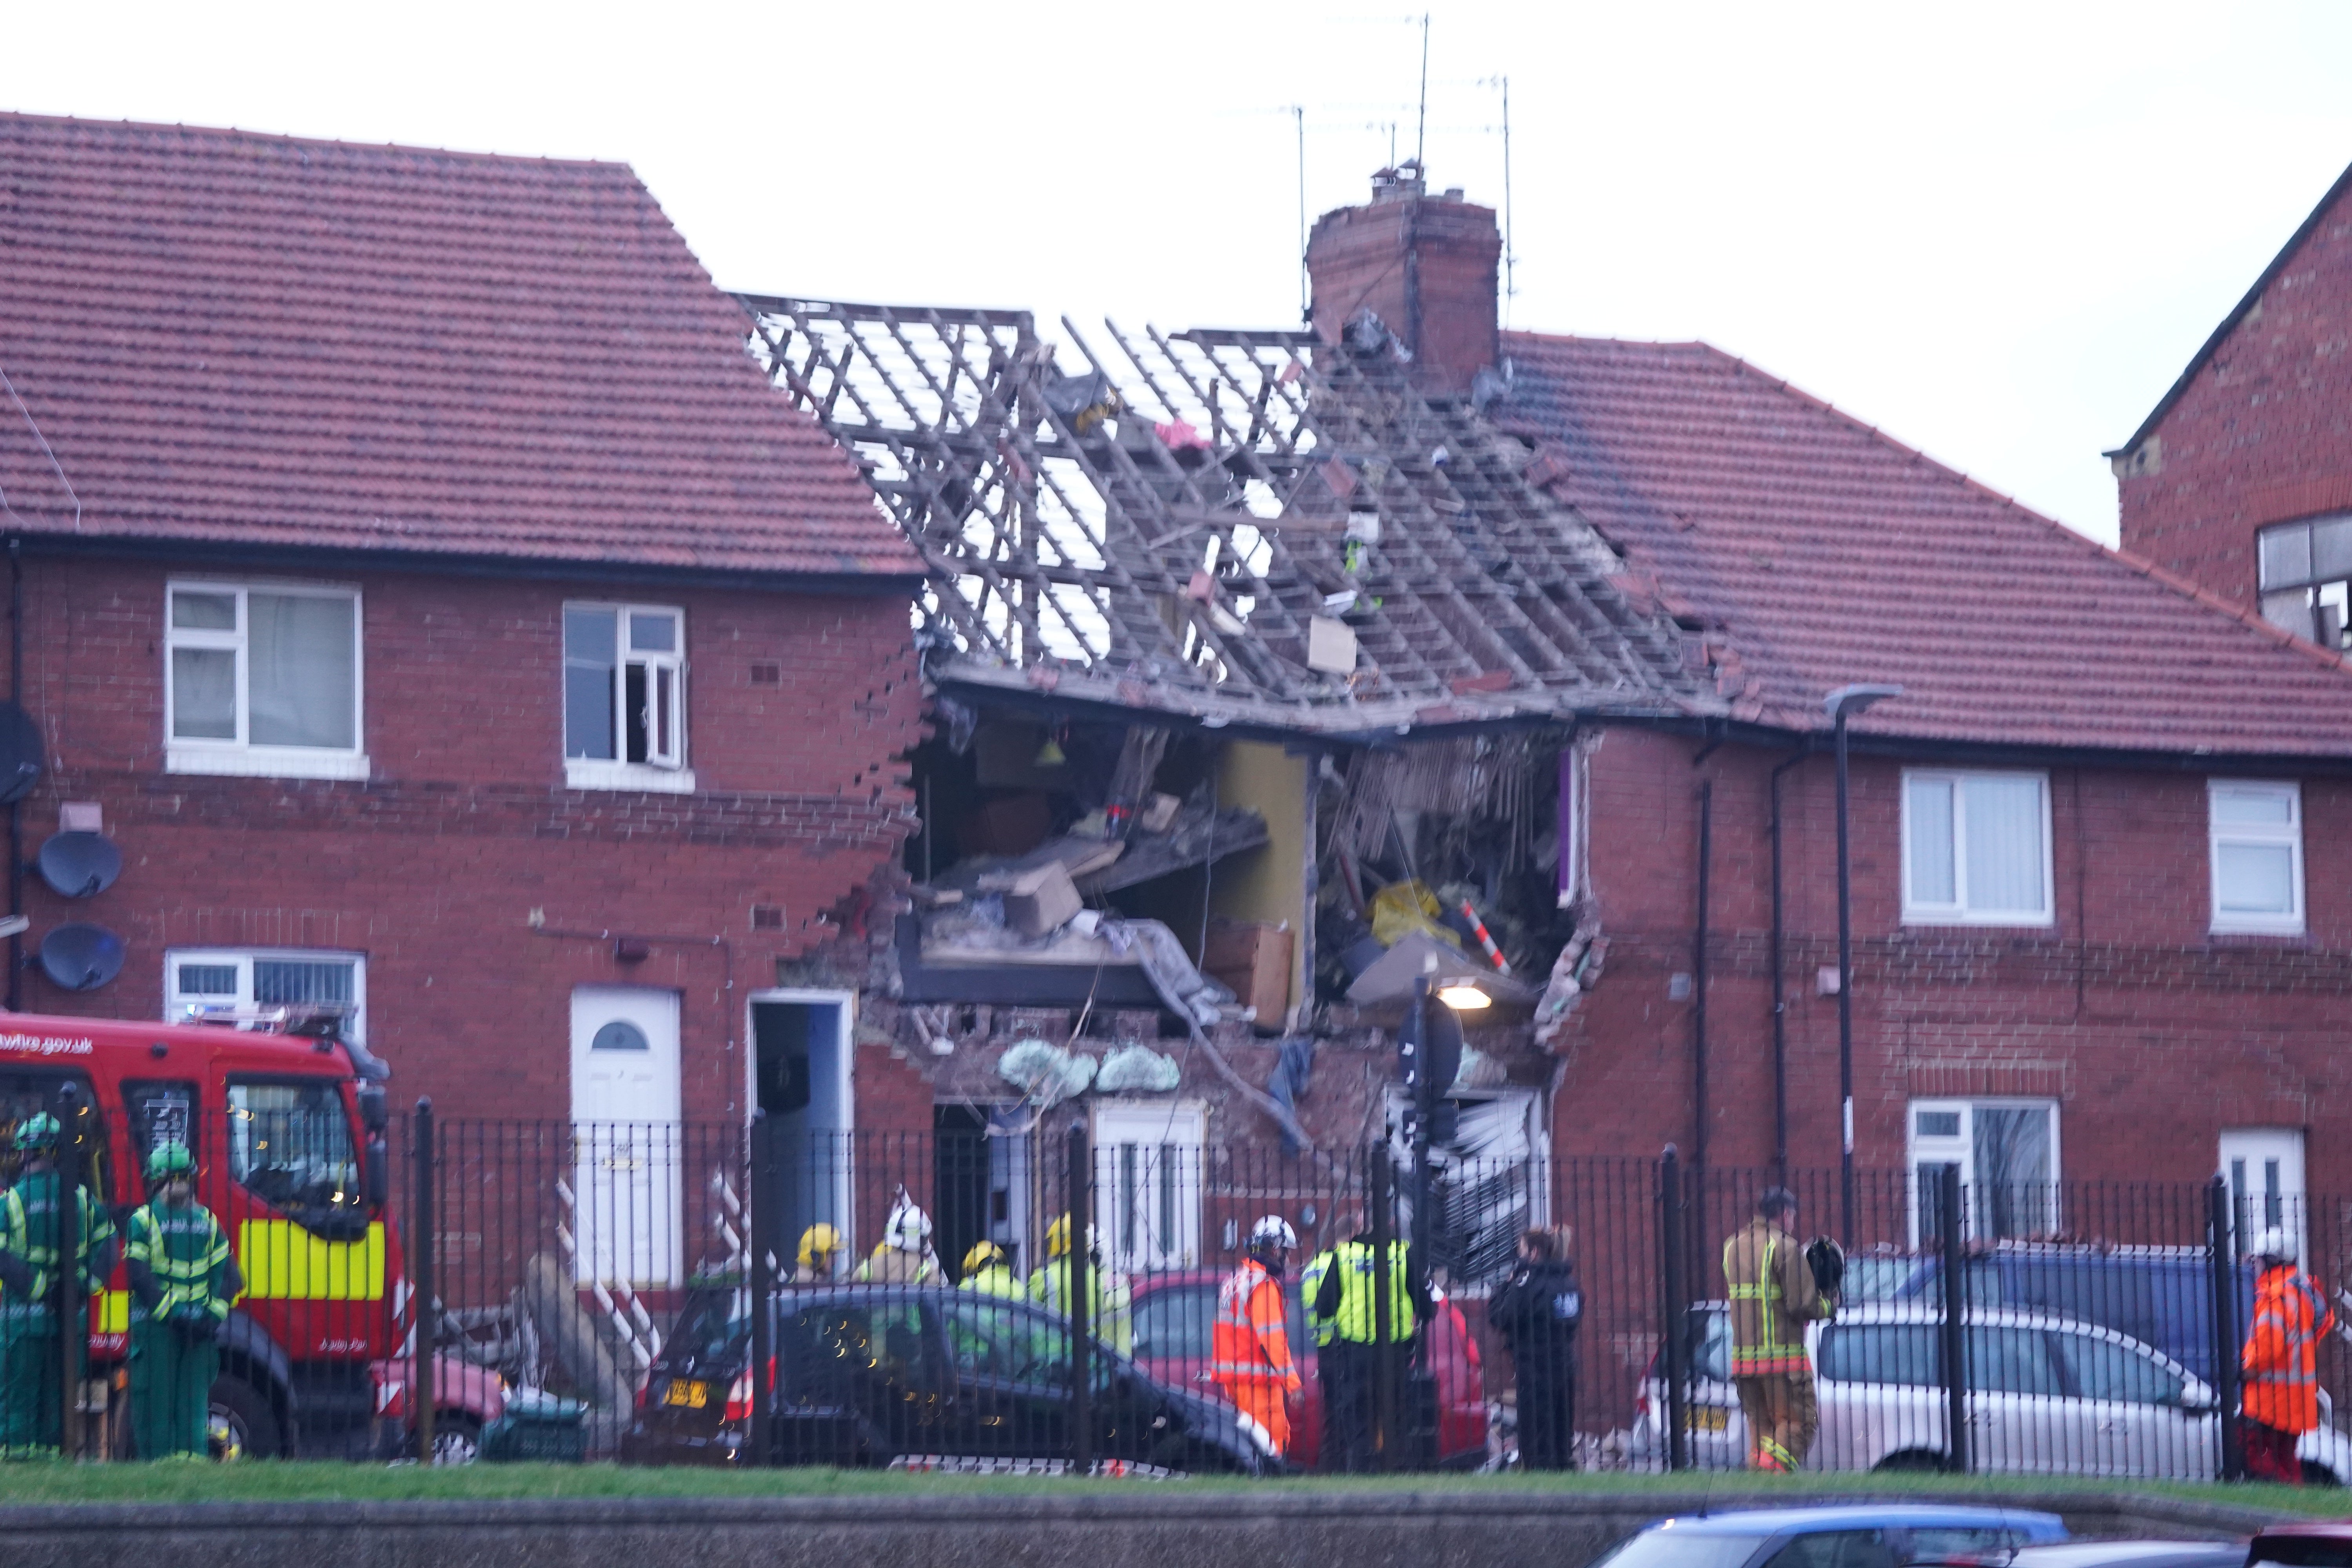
column 1428, row 267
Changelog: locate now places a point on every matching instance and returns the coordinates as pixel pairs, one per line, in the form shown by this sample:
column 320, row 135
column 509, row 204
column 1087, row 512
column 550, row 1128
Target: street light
column 1841, row 705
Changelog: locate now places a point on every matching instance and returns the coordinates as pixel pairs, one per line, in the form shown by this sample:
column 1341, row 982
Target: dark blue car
column 1857, row 1535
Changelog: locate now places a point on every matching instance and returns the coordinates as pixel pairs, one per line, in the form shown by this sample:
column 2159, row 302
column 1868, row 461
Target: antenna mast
column 1510, row 278
column 1306, row 301
column 1421, row 131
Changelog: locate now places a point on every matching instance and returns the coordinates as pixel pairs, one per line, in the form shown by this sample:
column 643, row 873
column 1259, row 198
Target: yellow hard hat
column 982, row 1255
column 818, row 1241
column 1057, row 1237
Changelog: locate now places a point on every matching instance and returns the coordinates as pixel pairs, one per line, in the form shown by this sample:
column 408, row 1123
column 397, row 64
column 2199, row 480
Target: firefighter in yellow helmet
column 1112, row 1298
column 820, row 1256
column 985, row 1270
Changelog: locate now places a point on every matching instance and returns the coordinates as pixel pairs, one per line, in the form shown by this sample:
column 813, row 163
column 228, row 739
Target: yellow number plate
column 690, row 1395
column 1703, row 1417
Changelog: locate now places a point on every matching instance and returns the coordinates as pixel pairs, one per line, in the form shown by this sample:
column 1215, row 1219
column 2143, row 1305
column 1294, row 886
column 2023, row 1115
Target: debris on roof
column 1244, row 527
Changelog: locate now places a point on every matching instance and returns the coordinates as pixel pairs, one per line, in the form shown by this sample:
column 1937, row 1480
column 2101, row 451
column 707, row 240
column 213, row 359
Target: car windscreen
column 1173, row 1323
column 1666, row 1547
column 2301, row 1551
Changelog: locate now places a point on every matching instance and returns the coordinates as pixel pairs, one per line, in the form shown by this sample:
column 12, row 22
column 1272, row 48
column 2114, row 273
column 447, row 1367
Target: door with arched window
column 628, row 1162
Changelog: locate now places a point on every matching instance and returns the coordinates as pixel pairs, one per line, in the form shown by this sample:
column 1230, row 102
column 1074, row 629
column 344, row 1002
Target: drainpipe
column 1698, row 978
column 16, row 807
column 1780, row 989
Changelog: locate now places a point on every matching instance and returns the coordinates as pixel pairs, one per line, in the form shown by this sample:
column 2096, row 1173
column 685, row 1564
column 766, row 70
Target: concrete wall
column 1180, row 1525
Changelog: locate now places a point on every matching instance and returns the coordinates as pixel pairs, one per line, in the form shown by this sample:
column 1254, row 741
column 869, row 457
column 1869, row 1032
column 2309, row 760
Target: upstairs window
column 625, row 697
column 262, row 681
column 1976, row 848
column 2304, row 569
column 2255, row 833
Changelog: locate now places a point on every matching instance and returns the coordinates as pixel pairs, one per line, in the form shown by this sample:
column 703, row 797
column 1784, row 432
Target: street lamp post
column 1841, row 705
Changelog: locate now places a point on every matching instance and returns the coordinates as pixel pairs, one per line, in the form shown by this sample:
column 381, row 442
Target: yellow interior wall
column 1266, row 884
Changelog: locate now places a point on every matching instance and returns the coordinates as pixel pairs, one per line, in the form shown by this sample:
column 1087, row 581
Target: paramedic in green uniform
column 32, row 1411
column 182, row 1281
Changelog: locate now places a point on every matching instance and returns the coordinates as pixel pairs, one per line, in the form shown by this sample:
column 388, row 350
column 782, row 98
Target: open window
column 625, row 697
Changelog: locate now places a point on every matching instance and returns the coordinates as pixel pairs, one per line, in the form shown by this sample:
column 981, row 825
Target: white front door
column 1147, row 1183
column 628, row 1162
column 2263, row 1166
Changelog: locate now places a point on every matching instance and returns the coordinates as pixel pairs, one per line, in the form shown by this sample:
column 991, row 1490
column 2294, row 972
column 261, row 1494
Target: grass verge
column 51, row 1482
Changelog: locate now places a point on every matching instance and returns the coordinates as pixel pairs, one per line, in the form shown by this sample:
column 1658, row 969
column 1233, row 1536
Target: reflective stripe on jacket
column 186, row 1254
column 1310, row 1282
column 1354, row 1317
column 1773, row 1296
column 28, row 1229
column 1113, row 1302
column 996, row 1279
column 1251, row 1340
column 2281, row 1358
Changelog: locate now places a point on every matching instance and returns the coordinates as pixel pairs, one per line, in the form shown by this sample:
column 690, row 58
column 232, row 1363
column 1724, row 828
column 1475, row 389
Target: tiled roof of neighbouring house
column 1816, row 552
column 227, row 338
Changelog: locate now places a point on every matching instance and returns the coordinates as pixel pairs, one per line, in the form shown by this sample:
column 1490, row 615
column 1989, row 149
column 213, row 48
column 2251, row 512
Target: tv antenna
column 1306, row 299
column 1421, row 131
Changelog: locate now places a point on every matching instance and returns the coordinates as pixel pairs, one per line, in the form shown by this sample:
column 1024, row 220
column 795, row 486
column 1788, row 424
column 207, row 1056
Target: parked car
column 2106, row 1555
column 1175, row 1311
column 1859, row 1535
column 923, row 1377
column 2310, row 1543
column 2047, row 1396
column 2160, row 1296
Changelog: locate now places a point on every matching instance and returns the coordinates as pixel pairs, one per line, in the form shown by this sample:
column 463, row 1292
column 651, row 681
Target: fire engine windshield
column 290, row 1146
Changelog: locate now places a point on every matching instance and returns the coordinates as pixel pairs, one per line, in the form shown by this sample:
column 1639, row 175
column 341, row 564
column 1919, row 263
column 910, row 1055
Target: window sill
column 583, row 773
column 1955, row 921
column 264, row 762
column 2260, row 935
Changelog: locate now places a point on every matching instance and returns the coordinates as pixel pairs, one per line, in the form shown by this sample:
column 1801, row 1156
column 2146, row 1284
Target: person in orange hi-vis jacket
column 2279, row 1367
column 1250, row 1349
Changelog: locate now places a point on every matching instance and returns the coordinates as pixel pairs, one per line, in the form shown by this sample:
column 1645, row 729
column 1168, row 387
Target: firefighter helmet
column 2276, row 1244
column 1273, row 1234
column 818, row 1241
column 908, row 1229
column 983, row 1254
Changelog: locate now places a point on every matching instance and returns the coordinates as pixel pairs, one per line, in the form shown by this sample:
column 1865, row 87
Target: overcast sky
column 1996, row 230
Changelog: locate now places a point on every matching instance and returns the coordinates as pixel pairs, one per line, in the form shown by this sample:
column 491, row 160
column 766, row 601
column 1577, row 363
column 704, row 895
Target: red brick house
column 2098, row 841
column 414, row 578
column 2238, row 478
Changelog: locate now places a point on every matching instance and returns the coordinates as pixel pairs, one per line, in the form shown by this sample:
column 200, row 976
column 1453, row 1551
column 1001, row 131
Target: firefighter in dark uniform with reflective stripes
column 182, row 1281
column 32, row 1407
column 1774, row 1294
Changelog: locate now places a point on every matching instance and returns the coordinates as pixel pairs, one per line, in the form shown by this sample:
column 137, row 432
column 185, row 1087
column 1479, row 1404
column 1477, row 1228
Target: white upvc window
column 1976, row 848
column 262, row 680
column 201, row 977
column 2006, row 1151
column 2254, row 836
column 625, row 697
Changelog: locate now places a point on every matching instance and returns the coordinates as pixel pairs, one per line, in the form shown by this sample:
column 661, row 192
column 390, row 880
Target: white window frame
column 2254, row 834
column 667, row 773
column 1960, row 913
column 1960, row 1150
column 238, row 756
column 242, row 959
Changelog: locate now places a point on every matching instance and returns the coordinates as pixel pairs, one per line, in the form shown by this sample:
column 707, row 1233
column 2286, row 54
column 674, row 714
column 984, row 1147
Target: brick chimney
column 1425, row 265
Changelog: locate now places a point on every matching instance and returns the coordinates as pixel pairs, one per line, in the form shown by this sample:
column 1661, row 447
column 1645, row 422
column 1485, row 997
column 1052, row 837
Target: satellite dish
column 81, row 957
column 20, row 752
column 77, row 864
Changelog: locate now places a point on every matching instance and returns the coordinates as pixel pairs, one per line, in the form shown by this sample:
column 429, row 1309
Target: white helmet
column 908, row 1229
column 1273, row 1231
column 2273, row 1243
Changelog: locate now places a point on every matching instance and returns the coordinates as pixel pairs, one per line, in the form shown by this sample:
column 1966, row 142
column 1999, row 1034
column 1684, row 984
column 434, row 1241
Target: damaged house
column 1275, row 671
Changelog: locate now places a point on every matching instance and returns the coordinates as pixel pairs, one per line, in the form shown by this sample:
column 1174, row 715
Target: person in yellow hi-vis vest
column 182, row 1281
column 1774, row 1294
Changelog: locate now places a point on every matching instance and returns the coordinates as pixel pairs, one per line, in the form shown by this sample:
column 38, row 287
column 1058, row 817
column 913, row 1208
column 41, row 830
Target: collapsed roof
column 1237, row 527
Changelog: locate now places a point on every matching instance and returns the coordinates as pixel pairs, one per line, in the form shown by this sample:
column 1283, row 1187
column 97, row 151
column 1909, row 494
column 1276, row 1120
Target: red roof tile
column 1826, row 553
column 258, row 339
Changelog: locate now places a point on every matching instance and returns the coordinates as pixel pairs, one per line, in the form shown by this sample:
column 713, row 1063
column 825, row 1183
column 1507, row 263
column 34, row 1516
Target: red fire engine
column 288, row 1123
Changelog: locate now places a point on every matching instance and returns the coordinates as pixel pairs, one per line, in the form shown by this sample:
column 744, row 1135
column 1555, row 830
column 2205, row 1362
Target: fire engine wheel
column 243, row 1424
column 457, row 1438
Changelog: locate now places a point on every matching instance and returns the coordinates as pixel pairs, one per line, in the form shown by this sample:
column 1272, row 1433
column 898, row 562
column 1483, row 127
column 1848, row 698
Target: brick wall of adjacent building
column 435, row 867
column 2263, row 432
column 2153, row 1034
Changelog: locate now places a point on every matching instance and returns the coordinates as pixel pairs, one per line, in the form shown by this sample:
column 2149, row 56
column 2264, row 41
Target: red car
column 1174, row 1315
